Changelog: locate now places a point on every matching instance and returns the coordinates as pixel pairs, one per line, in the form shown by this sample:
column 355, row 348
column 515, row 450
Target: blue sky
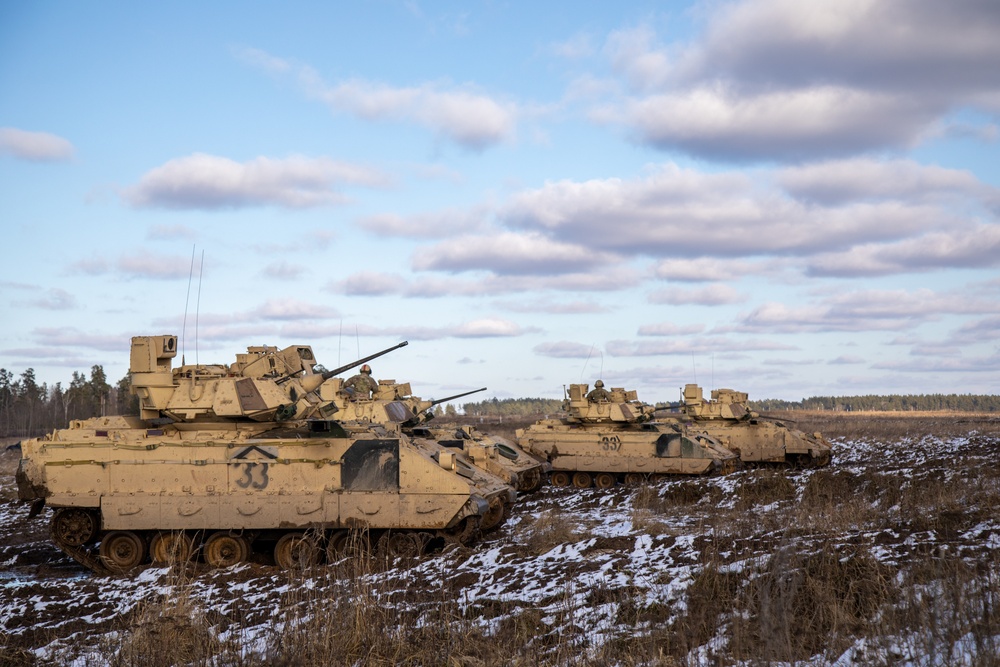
column 790, row 199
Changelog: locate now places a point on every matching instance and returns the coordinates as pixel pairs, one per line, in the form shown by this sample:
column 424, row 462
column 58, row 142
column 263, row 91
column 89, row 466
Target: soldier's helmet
column 598, row 384
column 366, row 369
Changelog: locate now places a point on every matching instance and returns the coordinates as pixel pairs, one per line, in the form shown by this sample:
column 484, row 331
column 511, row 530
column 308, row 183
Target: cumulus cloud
column 464, row 115
column 670, row 329
column 706, row 269
column 712, row 295
column 201, row 181
column 779, row 79
column 564, row 349
column 448, row 222
column 675, row 212
column 626, row 348
column 516, row 253
column 384, row 284
column 861, row 310
column 73, row 337
column 34, row 146
column 838, row 181
column 846, row 359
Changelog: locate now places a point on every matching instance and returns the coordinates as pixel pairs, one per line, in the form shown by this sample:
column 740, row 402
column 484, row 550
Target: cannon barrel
column 451, row 398
column 354, row 364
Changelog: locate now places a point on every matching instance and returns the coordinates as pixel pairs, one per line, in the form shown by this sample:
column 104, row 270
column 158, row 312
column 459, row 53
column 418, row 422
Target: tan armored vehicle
column 756, row 439
column 610, row 437
column 394, row 406
column 226, row 460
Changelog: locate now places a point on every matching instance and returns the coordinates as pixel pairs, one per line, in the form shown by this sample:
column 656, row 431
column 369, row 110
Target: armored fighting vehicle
column 604, row 441
column 227, row 460
column 394, row 406
column 756, row 439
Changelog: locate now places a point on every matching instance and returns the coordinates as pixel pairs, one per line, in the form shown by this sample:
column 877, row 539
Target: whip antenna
column 584, row 369
column 197, row 308
column 187, row 298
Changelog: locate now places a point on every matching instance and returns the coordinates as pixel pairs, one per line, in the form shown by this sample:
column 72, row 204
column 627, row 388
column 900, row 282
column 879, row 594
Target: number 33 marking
column 254, row 474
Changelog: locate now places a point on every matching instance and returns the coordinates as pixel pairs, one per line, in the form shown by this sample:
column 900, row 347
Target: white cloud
column 670, row 329
column 516, row 253
column 466, row 116
column 201, row 181
column 564, row 349
column 712, row 295
column 707, row 269
column 626, row 348
column 790, row 80
column 291, row 309
column 448, row 222
column 963, row 248
column 861, row 310
column 34, row 146
column 283, row 270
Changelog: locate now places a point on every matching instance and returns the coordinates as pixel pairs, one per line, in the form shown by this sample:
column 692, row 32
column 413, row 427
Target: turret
column 264, row 385
column 623, row 406
column 391, row 404
column 725, row 404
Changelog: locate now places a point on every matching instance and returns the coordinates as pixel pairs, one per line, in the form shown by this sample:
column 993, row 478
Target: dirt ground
column 684, row 571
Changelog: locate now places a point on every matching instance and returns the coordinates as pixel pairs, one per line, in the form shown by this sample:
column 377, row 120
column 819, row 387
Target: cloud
column 282, row 270
column 448, row 222
column 838, row 181
column 707, row 269
column 369, row 283
column 670, row 329
column 55, row 299
column 72, row 337
column 963, row 248
column 846, row 359
column 510, row 253
column 34, row 146
column 208, row 182
column 576, row 47
column 625, row 348
column 490, row 327
column 465, row 116
column 565, row 350
column 779, row 79
column 170, row 232
column 862, row 310
column 143, row 264
column 291, row 309
column 984, row 364
column 712, row 295
column 554, row 307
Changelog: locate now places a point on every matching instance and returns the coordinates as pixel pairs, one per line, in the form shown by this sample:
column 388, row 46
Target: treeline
column 512, row 407
column 890, row 403
column 29, row 409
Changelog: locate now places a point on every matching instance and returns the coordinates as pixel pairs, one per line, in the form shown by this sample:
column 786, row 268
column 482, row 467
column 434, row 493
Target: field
column 891, row 556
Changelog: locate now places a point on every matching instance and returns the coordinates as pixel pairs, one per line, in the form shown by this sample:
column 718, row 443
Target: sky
column 789, row 199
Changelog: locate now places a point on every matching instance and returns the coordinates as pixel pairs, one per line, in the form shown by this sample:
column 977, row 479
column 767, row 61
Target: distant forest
column 29, row 409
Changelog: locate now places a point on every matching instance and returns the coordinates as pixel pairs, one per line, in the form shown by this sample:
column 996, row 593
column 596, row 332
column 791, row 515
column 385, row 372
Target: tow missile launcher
column 756, row 439
column 225, row 460
column 604, row 442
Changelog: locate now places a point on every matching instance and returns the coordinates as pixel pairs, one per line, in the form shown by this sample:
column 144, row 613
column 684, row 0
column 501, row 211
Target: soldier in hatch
column 362, row 385
column 599, row 393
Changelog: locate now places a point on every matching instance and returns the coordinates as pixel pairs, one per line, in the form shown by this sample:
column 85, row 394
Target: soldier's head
column 366, row 370
column 599, row 384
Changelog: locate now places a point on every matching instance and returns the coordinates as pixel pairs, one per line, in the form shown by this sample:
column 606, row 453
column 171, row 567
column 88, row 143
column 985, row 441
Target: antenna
column 197, row 308
column 584, row 369
column 602, row 365
column 713, row 370
column 694, row 367
column 187, row 298
column 357, row 339
column 340, row 340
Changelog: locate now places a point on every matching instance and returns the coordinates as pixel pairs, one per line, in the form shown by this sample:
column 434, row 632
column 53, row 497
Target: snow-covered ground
column 821, row 567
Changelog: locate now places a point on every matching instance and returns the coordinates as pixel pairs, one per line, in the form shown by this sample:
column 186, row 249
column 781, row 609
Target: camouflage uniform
column 361, row 385
column 599, row 393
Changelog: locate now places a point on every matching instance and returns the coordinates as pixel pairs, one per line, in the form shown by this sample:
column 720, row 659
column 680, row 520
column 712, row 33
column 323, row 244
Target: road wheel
column 560, row 478
column 494, row 515
column 121, row 550
column 73, row 526
column 634, row 478
column 605, row 480
column 171, row 547
column 353, row 543
column 225, row 549
column 582, row 480
column 399, row 544
column 531, row 481
column 296, row 551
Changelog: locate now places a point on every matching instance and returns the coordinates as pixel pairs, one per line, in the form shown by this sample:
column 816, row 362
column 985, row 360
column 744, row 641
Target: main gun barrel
column 354, row 364
column 451, row 398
